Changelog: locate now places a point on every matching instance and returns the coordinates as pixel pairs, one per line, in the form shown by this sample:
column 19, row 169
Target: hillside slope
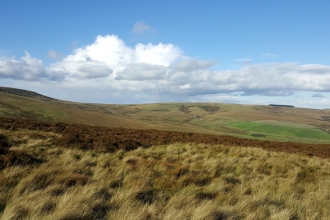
column 248, row 121
column 49, row 171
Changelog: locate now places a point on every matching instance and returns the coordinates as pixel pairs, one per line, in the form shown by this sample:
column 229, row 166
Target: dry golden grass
column 177, row 181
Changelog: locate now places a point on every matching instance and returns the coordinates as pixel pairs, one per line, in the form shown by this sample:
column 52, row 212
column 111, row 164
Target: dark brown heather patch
column 105, row 139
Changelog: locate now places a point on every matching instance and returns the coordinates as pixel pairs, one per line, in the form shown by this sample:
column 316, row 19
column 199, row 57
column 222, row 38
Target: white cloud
column 160, row 54
column 189, row 64
column 160, row 72
column 315, row 69
column 140, row 27
column 142, row 71
column 27, row 68
column 93, row 71
column 322, row 103
column 111, row 52
column 54, row 55
column 224, row 98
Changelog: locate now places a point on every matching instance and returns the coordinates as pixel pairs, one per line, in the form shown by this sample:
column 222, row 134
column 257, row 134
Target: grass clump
column 174, row 181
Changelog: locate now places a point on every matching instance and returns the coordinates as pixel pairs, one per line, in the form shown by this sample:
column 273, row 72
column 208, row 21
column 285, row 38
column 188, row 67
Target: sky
column 151, row 51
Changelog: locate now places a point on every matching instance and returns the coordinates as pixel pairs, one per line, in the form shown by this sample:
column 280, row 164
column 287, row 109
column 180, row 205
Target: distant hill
column 24, row 93
column 248, row 121
column 276, row 105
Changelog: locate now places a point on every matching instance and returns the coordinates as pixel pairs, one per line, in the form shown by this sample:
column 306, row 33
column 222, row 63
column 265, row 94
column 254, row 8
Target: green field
column 246, row 121
column 263, row 128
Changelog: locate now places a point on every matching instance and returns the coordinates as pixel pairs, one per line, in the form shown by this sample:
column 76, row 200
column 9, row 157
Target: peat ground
column 104, row 139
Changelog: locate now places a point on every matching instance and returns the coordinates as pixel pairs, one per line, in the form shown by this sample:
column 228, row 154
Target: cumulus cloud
column 142, row 71
column 162, row 70
column 160, row 54
column 109, row 55
column 27, row 68
column 315, row 69
column 93, row 71
column 140, row 27
column 54, row 55
column 189, row 64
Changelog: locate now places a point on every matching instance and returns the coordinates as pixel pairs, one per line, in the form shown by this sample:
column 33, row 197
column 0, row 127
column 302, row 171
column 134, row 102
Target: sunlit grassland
column 287, row 131
column 270, row 130
column 310, row 125
column 177, row 181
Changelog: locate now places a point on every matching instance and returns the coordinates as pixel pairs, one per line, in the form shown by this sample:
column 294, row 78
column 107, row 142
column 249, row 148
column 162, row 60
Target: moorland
column 66, row 160
column 247, row 121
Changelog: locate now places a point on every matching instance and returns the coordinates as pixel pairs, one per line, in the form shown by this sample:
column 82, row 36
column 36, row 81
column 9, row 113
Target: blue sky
column 247, row 52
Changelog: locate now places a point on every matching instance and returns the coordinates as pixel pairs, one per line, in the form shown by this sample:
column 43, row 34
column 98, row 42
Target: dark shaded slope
column 25, row 93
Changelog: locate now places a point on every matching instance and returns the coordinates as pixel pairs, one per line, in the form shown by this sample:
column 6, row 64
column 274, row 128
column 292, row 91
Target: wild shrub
column 110, row 140
column 13, row 158
column 80, row 179
column 3, row 141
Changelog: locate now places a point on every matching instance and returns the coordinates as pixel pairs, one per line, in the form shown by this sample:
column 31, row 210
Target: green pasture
column 263, row 128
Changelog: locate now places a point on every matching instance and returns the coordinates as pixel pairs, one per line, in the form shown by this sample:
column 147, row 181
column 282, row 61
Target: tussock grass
column 175, row 181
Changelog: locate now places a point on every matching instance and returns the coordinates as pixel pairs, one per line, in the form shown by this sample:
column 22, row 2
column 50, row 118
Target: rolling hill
column 248, row 121
column 116, row 170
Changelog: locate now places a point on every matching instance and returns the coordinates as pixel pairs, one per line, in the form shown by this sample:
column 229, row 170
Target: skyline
column 131, row 52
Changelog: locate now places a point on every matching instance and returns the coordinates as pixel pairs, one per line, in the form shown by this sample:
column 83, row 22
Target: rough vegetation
column 55, row 170
column 273, row 123
column 105, row 139
column 171, row 181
